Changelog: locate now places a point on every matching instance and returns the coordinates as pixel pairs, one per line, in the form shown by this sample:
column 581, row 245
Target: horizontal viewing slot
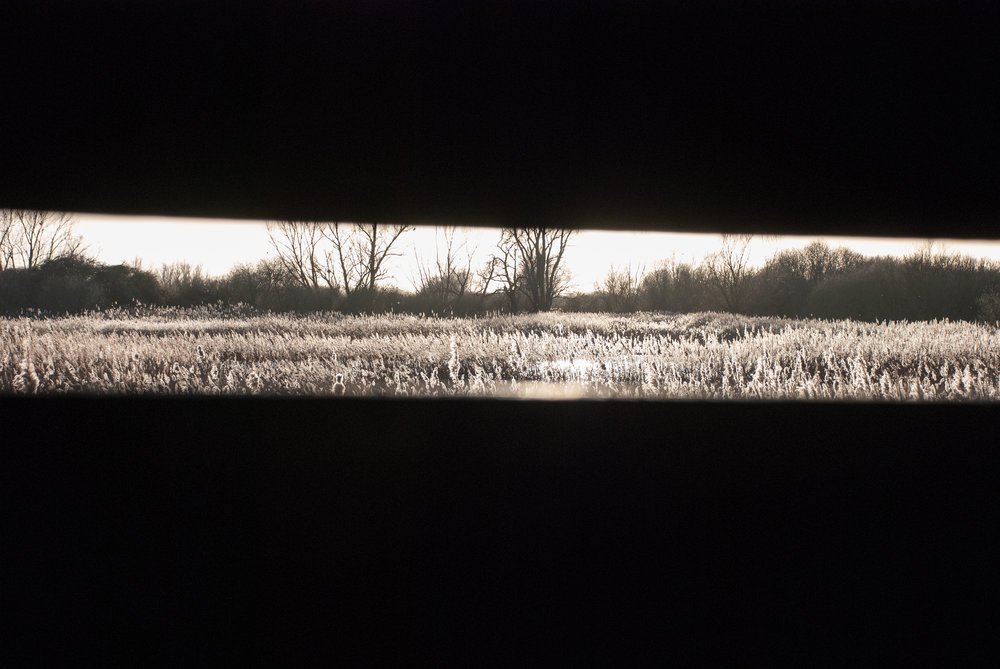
column 115, row 305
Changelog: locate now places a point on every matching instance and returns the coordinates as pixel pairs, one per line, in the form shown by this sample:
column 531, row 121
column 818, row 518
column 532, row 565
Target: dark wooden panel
column 775, row 117
column 440, row 532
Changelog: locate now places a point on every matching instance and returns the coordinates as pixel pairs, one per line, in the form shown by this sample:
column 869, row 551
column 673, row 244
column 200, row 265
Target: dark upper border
column 775, row 117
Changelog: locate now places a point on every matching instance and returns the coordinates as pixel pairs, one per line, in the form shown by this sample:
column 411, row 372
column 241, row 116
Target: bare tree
column 485, row 276
column 29, row 238
column 299, row 245
column 620, row 289
column 729, row 270
column 361, row 252
column 351, row 257
column 182, row 273
column 449, row 277
column 505, row 269
column 674, row 286
column 258, row 283
column 815, row 262
column 6, row 238
column 530, row 261
column 183, row 283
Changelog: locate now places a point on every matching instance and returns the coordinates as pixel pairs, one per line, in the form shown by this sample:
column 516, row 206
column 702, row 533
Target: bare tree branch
column 360, row 252
column 620, row 289
column 729, row 270
column 299, row 245
column 448, row 279
column 29, row 238
column 530, row 261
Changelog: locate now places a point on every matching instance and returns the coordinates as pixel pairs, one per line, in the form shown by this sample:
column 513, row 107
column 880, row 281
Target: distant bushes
column 468, row 304
column 816, row 281
column 820, row 282
column 73, row 284
column 677, row 287
column 919, row 287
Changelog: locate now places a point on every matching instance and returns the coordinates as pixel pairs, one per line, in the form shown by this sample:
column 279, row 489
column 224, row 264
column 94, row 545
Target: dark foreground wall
column 494, row 532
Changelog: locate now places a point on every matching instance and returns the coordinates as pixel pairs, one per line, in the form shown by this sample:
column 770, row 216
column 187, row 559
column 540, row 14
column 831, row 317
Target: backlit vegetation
column 212, row 351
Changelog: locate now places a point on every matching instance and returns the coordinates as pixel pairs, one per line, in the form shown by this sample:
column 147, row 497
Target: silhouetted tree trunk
column 301, row 252
column 505, row 268
column 530, row 261
column 348, row 256
column 361, row 252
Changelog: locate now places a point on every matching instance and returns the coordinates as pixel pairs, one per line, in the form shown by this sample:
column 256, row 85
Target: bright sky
column 217, row 245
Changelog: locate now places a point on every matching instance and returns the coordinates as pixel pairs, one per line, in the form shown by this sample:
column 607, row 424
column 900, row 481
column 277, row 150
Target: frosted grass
column 699, row 356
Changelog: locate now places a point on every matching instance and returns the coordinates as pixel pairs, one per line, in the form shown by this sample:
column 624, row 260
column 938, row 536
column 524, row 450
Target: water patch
column 544, row 390
column 574, row 367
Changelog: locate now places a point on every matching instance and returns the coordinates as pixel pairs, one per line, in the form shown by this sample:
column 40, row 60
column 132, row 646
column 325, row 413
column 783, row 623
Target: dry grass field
column 210, row 351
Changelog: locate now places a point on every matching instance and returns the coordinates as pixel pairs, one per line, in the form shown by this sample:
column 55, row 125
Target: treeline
column 73, row 284
column 817, row 281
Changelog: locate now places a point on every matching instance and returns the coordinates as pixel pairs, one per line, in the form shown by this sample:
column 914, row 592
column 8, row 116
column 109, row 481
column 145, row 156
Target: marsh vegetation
column 707, row 355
